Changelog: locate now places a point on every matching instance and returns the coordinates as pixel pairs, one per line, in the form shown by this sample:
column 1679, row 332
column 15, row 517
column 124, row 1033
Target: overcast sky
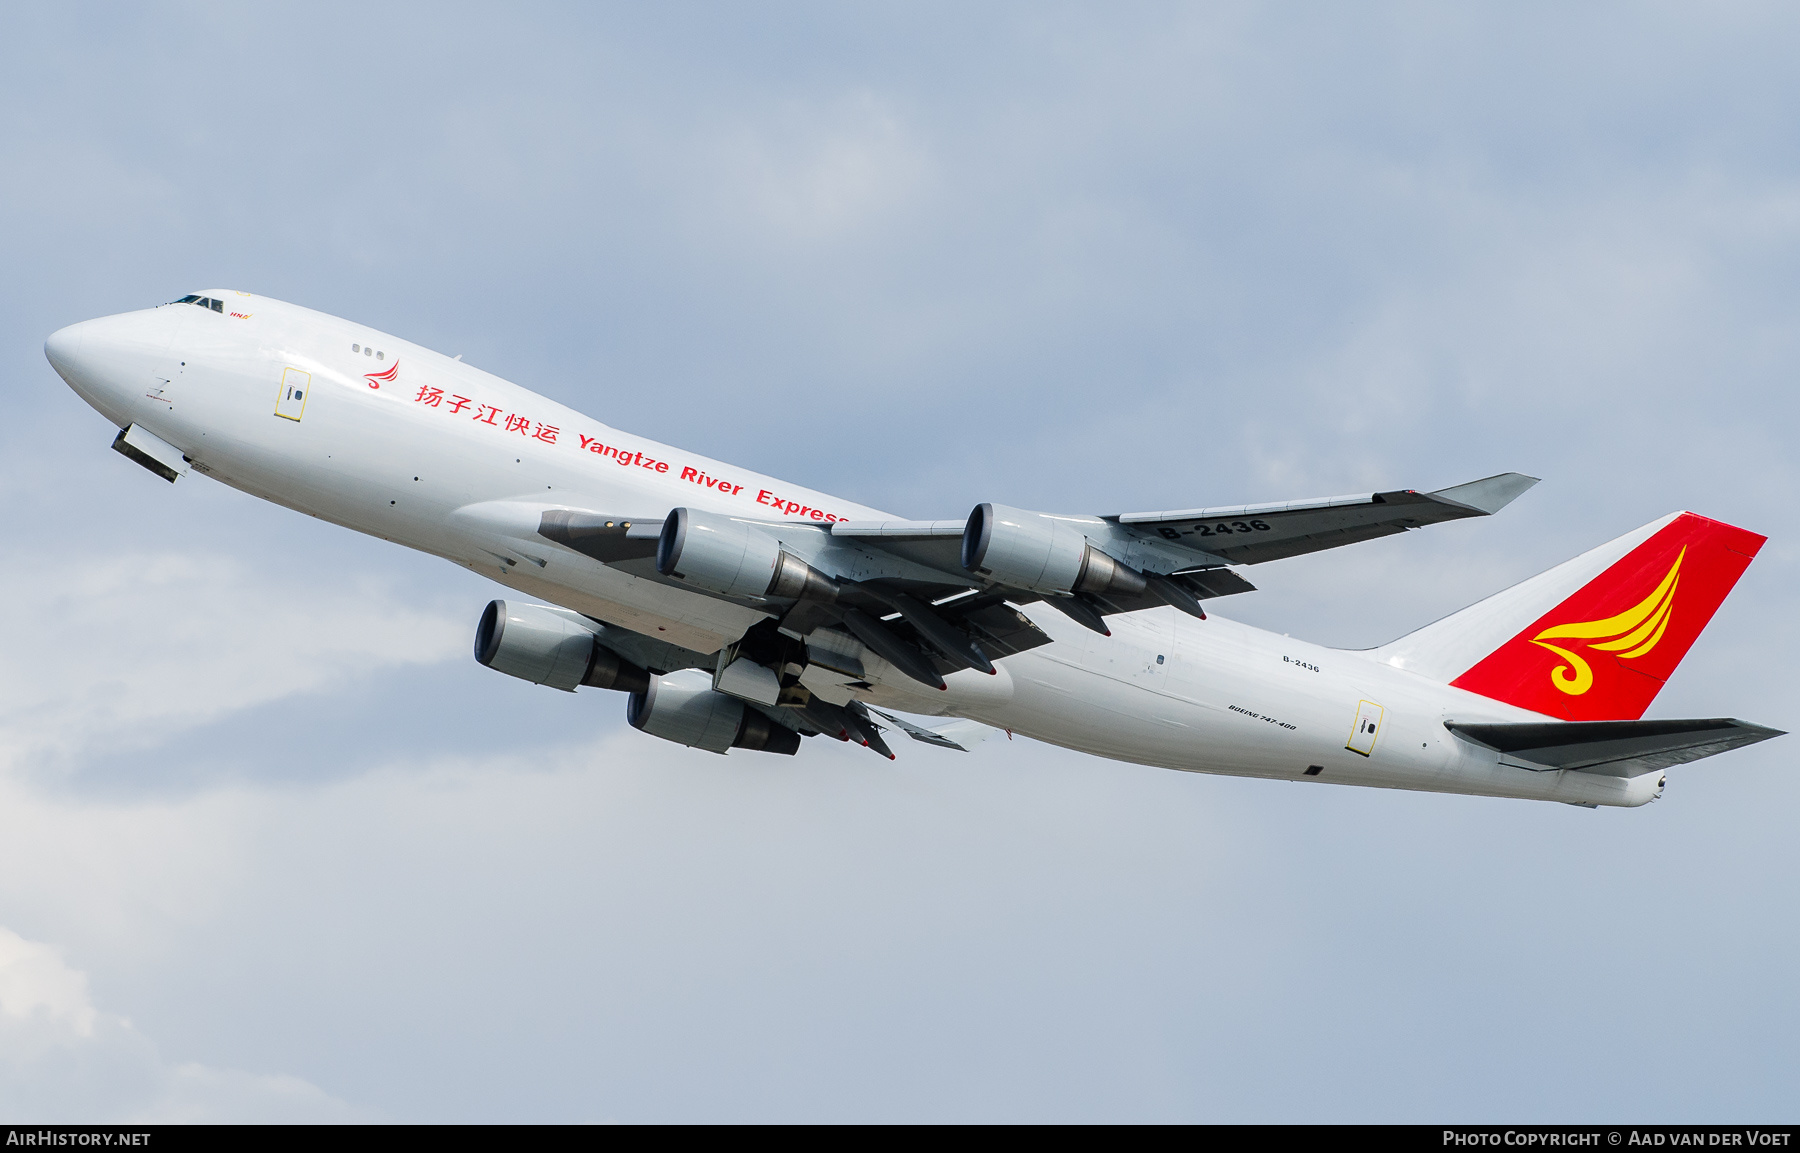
column 272, row 845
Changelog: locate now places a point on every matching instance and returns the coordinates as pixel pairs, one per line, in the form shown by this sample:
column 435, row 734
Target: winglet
column 1487, row 496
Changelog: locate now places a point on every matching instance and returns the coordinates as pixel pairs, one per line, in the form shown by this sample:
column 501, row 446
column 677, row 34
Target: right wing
column 886, row 598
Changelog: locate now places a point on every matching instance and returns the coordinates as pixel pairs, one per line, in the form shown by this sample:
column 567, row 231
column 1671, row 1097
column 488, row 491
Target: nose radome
column 64, row 346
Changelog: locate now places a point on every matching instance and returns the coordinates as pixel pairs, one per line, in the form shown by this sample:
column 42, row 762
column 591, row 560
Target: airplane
column 740, row 612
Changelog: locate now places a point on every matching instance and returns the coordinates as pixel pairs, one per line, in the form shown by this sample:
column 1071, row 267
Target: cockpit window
column 202, row 301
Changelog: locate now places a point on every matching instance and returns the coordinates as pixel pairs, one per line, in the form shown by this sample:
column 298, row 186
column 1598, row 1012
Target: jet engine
column 1043, row 553
column 728, row 556
column 551, row 646
column 684, row 707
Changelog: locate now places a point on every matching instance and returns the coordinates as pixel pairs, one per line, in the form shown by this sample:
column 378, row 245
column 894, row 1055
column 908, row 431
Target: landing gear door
column 1368, row 727
column 290, row 402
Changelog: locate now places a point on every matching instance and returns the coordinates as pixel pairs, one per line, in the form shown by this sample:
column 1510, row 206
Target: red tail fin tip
column 1605, row 651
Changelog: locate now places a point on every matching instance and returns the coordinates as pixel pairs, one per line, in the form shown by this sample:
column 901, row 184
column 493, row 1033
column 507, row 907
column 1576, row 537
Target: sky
column 274, row 847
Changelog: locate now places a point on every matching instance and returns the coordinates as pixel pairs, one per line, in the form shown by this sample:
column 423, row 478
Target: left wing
column 1254, row 533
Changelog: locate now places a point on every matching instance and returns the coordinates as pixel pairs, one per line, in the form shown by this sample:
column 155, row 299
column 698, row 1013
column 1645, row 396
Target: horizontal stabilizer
column 959, row 735
column 1611, row 748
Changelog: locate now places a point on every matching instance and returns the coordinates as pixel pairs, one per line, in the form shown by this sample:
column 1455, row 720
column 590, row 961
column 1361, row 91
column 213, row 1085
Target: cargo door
column 1368, row 728
column 290, row 402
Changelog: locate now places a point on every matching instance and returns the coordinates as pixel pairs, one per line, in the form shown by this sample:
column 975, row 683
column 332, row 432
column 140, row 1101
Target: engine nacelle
column 723, row 555
column 1043, row 553
column 551, row 646
column 684, row 707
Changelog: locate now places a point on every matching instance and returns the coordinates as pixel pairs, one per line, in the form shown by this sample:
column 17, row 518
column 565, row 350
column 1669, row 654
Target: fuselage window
column 381, row 356
column 356, row 348
column 368, row 352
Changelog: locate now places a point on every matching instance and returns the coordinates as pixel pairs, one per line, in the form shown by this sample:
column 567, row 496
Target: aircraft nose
column 63, row 348
column 108, row 360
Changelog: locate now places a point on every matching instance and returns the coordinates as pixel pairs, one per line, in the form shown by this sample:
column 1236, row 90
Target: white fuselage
column 426, row 458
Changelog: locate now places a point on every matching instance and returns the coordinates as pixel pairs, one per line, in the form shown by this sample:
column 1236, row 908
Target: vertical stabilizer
column 1595, row 637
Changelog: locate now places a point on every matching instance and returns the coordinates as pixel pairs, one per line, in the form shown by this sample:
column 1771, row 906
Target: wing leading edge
column 1254, row 533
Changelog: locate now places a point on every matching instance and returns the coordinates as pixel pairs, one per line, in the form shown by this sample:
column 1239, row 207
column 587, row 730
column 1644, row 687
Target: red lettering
column 486, row 414
column 688, row 474
column 429, row 396
column 458, row 403
column 518, row 424
column 763, row 496
column 546, row 433
column 736, row 488
column 817, row 515
column 662, row 466
column 585, row 441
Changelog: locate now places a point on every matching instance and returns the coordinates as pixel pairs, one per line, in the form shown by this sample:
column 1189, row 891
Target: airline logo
column 1631, row 634
column 377, row 379
column 1606, row 650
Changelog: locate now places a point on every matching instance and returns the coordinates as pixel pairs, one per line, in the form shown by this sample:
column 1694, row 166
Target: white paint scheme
column 1165, row 689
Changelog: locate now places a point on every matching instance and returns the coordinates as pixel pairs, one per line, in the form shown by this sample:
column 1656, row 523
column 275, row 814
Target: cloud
column 809, row 174
column 64, row 1060
column 129, row 648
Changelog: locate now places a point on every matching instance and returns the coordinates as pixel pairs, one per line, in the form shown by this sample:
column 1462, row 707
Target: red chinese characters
column 491, row 414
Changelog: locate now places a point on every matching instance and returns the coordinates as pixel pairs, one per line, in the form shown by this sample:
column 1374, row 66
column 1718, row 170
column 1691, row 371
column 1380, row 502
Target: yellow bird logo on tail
column 1632, row 633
